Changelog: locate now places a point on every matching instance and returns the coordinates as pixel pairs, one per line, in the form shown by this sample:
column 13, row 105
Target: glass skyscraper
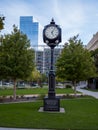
column 30, row 28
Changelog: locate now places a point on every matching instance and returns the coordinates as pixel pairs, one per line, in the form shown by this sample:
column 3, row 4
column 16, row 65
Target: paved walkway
column 87, row 92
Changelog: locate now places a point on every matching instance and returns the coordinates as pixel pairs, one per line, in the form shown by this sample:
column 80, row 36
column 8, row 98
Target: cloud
column 70, row 16
column 74, row 17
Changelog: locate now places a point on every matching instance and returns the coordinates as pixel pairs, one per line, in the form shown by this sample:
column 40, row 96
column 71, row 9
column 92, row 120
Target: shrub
column 41, row 96
column 68, row 86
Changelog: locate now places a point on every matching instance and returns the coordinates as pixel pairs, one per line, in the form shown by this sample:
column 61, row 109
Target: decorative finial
column 52, row 21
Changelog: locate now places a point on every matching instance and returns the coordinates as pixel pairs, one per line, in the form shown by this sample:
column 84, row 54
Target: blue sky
column 73, row 16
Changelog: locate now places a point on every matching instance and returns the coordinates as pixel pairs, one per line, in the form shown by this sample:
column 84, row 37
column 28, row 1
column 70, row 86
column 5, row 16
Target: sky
column 73, row 16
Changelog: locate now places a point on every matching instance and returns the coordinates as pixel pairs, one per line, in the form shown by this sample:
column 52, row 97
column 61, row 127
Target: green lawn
column 80, row 114
column 6, row 92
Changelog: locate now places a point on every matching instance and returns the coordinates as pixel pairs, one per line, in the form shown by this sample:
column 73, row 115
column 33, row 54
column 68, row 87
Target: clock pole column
column 51, row 103
column 51, row 92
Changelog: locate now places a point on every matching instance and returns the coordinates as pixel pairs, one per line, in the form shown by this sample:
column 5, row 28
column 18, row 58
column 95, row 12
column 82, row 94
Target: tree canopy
column 75, row 62
column 94, row 54
column 2, row 18
column 16, row 57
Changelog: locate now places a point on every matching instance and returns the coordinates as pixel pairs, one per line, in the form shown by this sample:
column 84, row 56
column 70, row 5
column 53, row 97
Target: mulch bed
column 22, row 99
column 10, row 99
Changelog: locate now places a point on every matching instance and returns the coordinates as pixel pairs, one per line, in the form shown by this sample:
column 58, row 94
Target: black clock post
column 52, row 37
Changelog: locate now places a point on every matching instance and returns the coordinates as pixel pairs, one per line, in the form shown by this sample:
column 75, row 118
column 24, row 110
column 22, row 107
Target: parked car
column 20, row 84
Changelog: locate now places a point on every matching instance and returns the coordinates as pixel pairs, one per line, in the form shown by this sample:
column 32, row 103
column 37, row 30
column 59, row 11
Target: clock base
column 51, row 104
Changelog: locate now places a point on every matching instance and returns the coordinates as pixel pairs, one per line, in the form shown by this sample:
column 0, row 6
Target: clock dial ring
column 51, row 32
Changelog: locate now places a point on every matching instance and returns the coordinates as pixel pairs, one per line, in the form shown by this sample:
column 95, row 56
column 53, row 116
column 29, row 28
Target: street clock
column 52, row 34
column 52, row 37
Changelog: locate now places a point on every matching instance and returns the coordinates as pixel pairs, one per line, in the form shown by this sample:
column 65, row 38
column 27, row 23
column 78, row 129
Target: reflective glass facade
column 30, row 28
column 43, row 59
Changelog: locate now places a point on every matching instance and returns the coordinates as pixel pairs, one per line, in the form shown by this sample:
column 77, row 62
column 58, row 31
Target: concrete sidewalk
column 87, row 92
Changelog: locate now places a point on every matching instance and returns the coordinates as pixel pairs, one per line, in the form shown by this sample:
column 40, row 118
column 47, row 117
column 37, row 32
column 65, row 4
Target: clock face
column 51, row 32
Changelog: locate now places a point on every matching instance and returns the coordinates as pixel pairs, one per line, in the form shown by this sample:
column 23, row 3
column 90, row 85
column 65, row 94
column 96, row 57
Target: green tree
column 75, row 62
column 16, row 57
column 94, row 54
column 44, row 77
column 35, row 75
column 2, row 18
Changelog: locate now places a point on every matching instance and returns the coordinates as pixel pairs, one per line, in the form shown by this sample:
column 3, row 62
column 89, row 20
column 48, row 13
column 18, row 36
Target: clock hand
column 52, row 31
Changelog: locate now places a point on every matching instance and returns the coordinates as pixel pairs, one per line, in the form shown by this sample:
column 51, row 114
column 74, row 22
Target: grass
column 5, row 92
column 80, row 114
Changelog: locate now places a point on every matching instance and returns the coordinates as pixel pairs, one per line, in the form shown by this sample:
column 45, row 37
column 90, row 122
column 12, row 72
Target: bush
column 41, row 96
column 68, row 86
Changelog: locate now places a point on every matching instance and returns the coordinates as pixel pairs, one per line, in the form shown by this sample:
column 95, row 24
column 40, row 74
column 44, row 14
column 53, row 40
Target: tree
column 37, row 77
column 16, row 57
column 94, row 54
column 2, row 18
column 75, row 62
column 44, row 78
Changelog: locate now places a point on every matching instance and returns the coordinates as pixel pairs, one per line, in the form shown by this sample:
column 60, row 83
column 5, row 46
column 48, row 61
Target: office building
column 30, row 28
column 42, row 54
column 93, row 43
column 43, row 59
column 47, row 58
column 39, row 60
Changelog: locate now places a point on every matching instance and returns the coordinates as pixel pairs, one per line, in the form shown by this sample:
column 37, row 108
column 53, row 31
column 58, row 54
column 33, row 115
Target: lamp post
column 52, row 37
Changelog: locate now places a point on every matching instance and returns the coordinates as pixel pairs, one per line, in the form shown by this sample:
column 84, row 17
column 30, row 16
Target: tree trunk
column 14, row 95
column 74, row 84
